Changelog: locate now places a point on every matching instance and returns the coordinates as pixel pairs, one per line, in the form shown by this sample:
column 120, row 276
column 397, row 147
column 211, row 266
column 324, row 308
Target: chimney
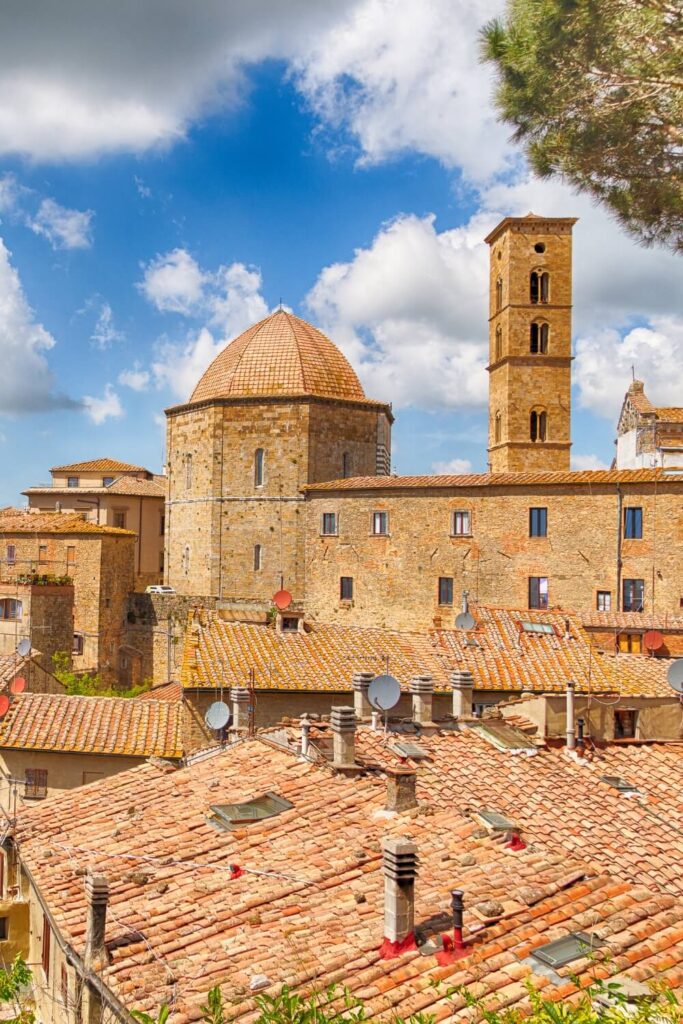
column 343, row 725
column 463, row 688
column 422, row 689
column 361, row 704
column 571, row 739
column 400, row 870
column 97, row 897
column 401, row 789
column 239, row 695
column 305, row 733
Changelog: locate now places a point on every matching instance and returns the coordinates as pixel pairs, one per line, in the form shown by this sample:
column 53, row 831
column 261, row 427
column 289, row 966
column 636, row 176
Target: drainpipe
column 620, row 516
column 571, row 738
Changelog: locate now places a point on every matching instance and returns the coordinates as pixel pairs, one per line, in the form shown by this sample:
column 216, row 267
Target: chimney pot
column 463, row 690
column 401, row 795
column 305, row 732
column 361, row 684
column 400, row 870
column 97, row 898
column 422, row 690
column 343, row 725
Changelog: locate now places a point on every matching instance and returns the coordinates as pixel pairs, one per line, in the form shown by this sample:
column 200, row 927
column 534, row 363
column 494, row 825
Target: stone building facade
column 648, row 436
column 278, row 409
column 600, row 540
column 99, row 560
column 530, row 302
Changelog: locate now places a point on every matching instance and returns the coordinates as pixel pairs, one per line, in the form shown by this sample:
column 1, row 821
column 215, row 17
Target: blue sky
column 348, row 163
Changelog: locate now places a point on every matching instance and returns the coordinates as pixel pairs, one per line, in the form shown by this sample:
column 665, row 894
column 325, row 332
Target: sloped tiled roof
column 280, row 355
column 15, row 520
column 309, row 903
column 670, row 414
column 499, row 654
column 124, row 485
column 166, row 691
column 10, row 666
column 92, row 725
column 631, row 620
column 593, row 477
column 99, row 465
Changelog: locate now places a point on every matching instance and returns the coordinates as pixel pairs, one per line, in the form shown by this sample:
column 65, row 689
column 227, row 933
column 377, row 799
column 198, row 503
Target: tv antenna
column 24, row 647
column 384, row 693
column 218, row 716
column 465, row 620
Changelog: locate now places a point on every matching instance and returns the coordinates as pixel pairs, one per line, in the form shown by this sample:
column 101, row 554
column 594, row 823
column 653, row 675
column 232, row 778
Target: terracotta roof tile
column 309, row 904
column 15, row 520
column 124, row 485
column 166, row 691
column 593, row 477
column 96, row 725
column 99, row 465
column 631, row 620
column 670, row 414
column 280, row 355
column 500, row 655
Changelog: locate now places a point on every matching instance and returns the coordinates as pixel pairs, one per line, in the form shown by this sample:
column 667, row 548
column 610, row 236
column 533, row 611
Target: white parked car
column 159, row 588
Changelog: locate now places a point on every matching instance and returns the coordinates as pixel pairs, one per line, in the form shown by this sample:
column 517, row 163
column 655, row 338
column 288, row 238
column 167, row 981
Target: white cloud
column 580, row 461
column 137, row 379
column 101, row 409
column 105, row 332
column 454, row 467
column 10, row 191
column 26, row 383
column 63, row 228
column 144, row 191
column 174, row 282
column 228, row 300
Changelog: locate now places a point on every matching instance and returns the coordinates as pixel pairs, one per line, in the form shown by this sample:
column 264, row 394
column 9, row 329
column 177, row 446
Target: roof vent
column 343, row 726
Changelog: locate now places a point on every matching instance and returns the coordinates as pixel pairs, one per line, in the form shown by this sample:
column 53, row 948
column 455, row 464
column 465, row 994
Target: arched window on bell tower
column 258, row 467
column 539, row 287
column 499, row 342
column 538, row 338
column 497, row 428
column 499, row 294
column 538, row 425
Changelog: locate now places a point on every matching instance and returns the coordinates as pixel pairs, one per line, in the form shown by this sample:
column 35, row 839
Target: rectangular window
column 634, row 595
column 42, row 553
column 380, row 524
column 445, row 590
column 290, row 624
column 47, row 942
column 346, row 588
column 633, row 523
column 77, row 644
column 604, row 600
column 11, row 554
column 72, row 481
column 329, row 524
column 625, row 724
column 11, row 610
column 538, row 522
column 538, row 591
column 107, row 481
column 71, row 555
column 630, row 643
column 162, row 524
column 120, row 520
column 461, row 524
column 161, row 561
column 258, row 557
column 4, row 929
column 35, row 787
column 258, row 467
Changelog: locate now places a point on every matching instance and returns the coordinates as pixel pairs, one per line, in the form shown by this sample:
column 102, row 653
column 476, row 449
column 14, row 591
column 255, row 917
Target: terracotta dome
column 281, row 355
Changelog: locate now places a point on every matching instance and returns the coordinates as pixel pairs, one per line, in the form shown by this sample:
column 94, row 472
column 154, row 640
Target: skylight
column 412, row 750
column 495, row 821
column 227, row 817
column 563, row 951
column 538, row 627
column 616, row 782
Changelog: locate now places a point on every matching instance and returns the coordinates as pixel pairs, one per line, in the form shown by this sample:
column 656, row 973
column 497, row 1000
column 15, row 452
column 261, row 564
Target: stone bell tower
column 530, row 344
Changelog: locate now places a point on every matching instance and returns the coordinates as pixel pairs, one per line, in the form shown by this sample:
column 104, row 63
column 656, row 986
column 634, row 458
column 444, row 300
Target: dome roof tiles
column 281, row 355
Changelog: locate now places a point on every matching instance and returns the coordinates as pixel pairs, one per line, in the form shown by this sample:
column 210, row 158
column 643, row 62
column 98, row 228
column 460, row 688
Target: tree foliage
column 594, row 89
column 84, row 685
column 12, row 983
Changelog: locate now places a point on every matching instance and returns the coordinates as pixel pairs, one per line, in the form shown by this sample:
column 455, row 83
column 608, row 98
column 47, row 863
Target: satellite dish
column 282, row 599
column 4, row 704
column 384, row 692
column 24, row 647
column 17, row 685
column 465, row 620
column 653, row 640
column 218, row 715
column 675, row 675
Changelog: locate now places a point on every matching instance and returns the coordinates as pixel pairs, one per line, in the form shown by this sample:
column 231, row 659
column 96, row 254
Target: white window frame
column 462, row 512
column 329, row 533
column 377, row 518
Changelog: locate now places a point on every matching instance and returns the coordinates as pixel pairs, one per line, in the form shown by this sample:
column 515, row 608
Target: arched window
column 499, row 342
column 258, row 467
column 538, row 339
column 499, row 294
column 258, row 557
column 346, row 465
column 188, row 472
column 539, row 286
column 538, row 420
column 497, row 428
